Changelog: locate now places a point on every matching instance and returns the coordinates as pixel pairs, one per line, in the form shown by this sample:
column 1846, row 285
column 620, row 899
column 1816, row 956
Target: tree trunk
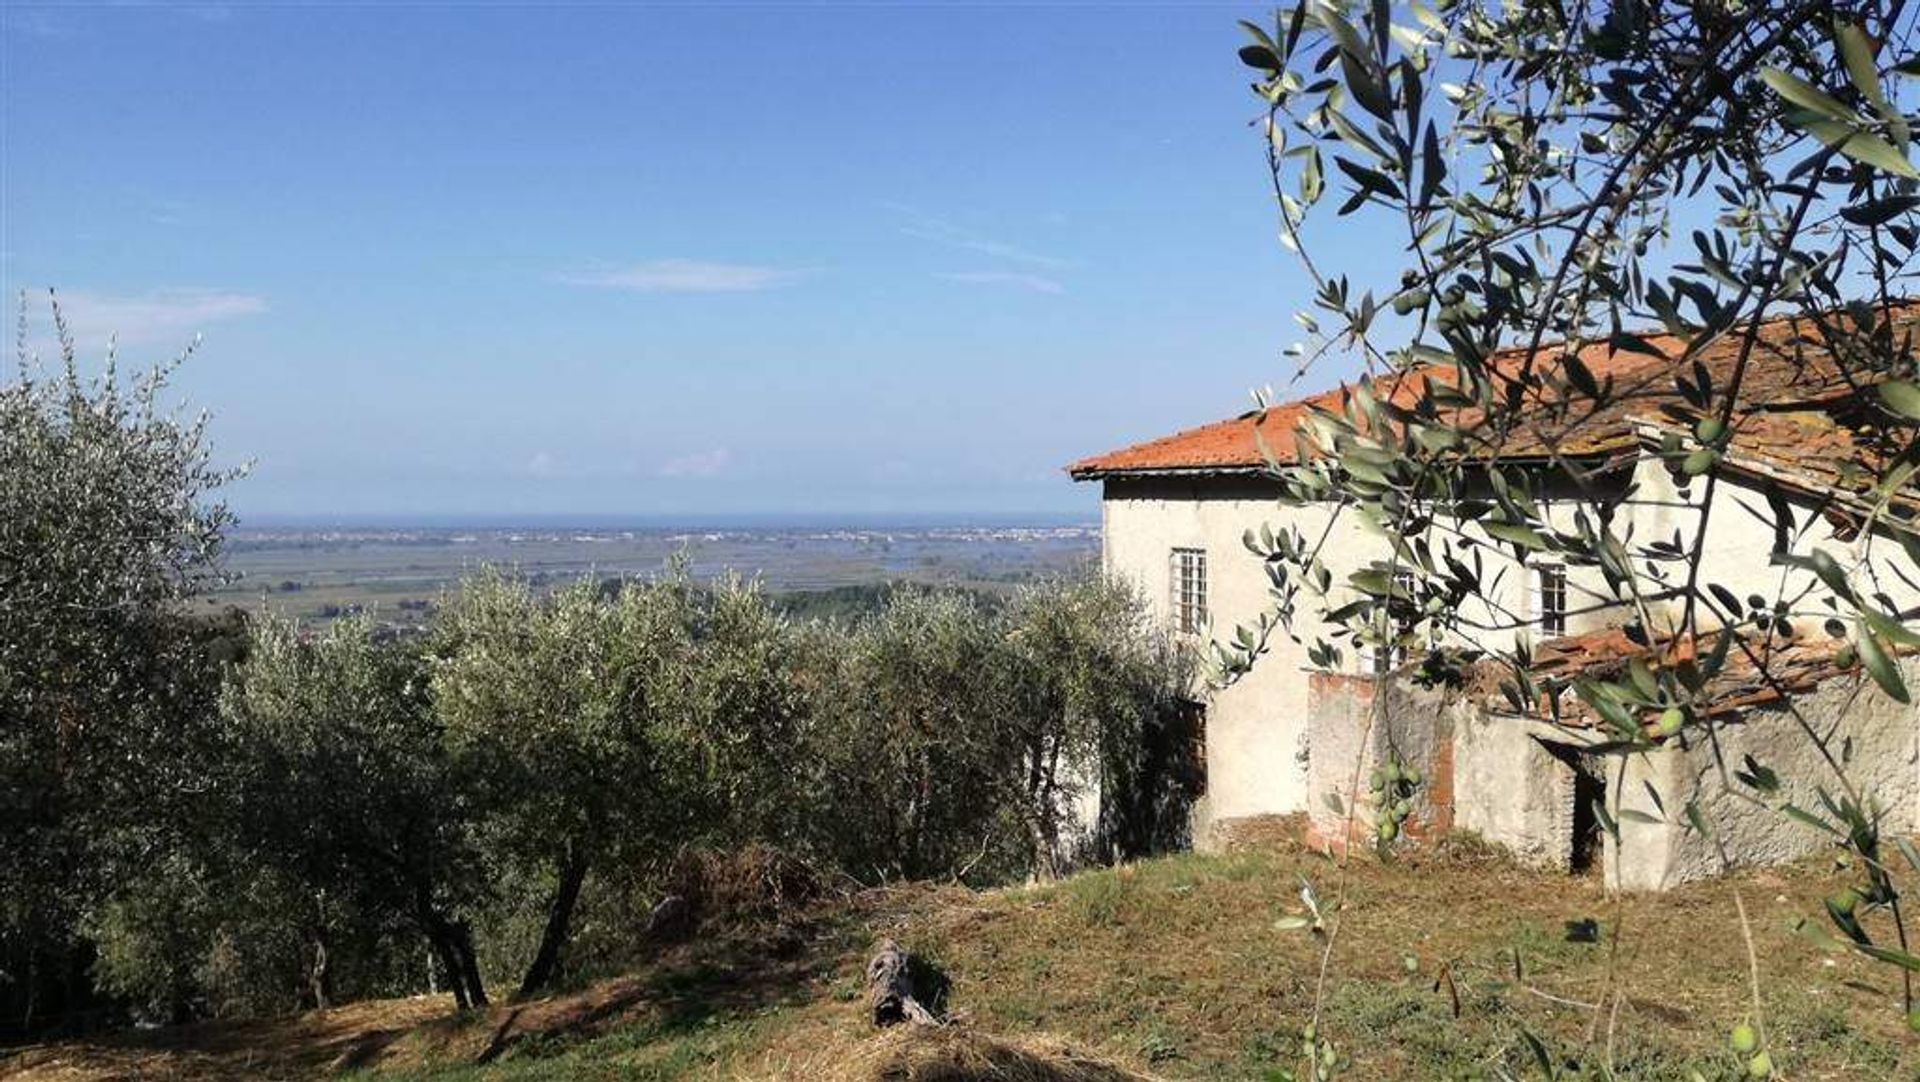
column 469, row 964
column 1043, row 831
column 452, row 940
column 441, row 941
column 319, row 973
column 546, row 961
column 890, row 988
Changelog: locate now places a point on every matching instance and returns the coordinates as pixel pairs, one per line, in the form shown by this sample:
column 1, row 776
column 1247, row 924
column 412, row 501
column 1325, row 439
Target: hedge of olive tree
column 532, row 759
column 208, row 818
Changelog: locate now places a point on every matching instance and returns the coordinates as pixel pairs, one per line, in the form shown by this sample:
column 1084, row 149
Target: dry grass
column 1169, row 968
column 311, row 1044
column 908, row 1054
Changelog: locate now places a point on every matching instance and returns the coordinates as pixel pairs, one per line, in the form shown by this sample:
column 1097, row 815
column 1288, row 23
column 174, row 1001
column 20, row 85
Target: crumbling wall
column 1358, row 724
column 1511, row 790
column 1874, row 736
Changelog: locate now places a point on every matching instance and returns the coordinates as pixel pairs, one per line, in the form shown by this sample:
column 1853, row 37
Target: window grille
column 1189, row 590
column 1550, row 600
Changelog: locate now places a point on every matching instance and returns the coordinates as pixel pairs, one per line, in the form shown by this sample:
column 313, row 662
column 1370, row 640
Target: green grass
column 1174, row 968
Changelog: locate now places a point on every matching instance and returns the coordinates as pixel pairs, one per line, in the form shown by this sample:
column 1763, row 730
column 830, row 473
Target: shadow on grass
column 674, row 996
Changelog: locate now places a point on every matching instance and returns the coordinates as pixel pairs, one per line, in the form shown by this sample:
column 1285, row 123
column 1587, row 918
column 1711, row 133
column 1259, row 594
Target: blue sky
column 664, row 260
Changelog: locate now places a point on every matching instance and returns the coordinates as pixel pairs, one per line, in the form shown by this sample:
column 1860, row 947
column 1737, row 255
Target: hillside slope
column 1170, row 968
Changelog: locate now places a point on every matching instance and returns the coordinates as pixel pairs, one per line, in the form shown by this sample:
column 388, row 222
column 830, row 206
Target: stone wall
column 1361, row 723
column 1877, row 738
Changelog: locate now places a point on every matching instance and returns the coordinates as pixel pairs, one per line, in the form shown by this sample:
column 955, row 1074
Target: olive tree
column 950, row 738
column 343, row 783
column 742, row 718
column 1560, row 177
column 109, row 527
column 562, row 713
column 1098, row 715
column 906, row 736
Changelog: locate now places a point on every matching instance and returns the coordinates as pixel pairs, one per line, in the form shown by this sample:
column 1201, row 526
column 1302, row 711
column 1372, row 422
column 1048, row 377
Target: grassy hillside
column 1169, row 968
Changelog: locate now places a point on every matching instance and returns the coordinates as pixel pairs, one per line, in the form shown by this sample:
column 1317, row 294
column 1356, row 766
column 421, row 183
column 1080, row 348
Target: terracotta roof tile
column 1791, row 367
column 1793, row 666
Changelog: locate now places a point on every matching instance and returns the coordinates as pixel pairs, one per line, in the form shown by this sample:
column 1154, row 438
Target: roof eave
column 1102, row 473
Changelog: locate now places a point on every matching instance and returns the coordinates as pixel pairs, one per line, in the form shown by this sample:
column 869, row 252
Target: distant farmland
column 316, row 575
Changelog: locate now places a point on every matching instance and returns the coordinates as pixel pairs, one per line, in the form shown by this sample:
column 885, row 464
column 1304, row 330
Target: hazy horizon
column 606, row 521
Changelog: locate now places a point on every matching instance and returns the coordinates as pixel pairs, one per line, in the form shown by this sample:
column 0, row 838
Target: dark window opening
column 1589, row 799
column 1589, row 796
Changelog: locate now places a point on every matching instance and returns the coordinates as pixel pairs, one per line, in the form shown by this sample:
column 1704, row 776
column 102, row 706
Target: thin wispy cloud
column 699, row 464
column 39, row 23
column 1034, row 283
column 172, row 316
column 687, row 276
column 939, row 230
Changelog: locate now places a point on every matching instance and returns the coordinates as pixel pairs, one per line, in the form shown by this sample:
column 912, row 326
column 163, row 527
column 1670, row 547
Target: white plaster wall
column 1256, row 729
column 1739, row 543
column 1876, row 739
column 1509, row 790
column 1259, row 736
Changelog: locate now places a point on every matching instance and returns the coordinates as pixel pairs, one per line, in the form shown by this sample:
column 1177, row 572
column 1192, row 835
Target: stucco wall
column 1509, row 789
column 1877, row 739
column 1260, row 742
column 1361, row 724
column 1739, row 542
column 1256, row 730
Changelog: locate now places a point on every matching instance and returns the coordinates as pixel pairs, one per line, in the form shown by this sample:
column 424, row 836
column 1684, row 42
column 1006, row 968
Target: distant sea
column 688, row 523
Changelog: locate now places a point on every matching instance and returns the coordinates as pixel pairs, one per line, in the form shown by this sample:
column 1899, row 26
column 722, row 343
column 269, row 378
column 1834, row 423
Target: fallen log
column 890, row 988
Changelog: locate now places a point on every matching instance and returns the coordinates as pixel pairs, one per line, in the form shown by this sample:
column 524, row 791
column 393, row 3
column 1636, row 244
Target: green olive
column 1743, row 1039
column 1671, row 721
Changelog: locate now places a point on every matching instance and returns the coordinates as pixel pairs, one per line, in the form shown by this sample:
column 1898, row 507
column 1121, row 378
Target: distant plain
column 399, row 573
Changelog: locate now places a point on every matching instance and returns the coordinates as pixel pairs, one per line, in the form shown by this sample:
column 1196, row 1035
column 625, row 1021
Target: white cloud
column 687, row 276
column 941, row 231
column 541, row 464
column 172, row 316
column 699, row 464
column 1032, row 282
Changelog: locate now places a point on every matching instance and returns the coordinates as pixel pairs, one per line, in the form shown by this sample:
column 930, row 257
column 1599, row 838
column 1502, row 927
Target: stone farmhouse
column 1286, row 738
